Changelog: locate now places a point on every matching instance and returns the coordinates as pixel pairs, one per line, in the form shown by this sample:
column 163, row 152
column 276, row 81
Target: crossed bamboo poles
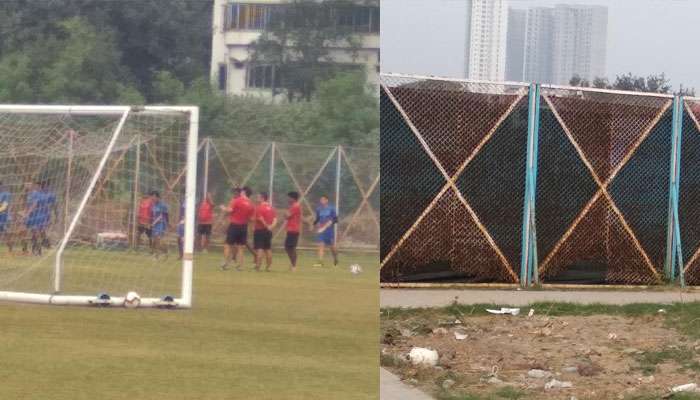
column 603, row 189
column 171, row 182
column 303, row 192
column 450, row 181
column 305, row 189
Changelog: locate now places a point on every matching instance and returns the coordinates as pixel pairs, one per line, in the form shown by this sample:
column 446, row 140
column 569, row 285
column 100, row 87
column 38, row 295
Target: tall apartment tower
column 538, row 55
column 560, row 42
column 486, row 45
column 580, row 41
column 515, row 44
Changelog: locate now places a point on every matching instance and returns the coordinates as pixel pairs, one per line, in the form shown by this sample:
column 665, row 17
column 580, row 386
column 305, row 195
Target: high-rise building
column 579, row 42
column 560, row 42
column 474, row 49
column 538, row 55
column 487, row 31
column 515, row 44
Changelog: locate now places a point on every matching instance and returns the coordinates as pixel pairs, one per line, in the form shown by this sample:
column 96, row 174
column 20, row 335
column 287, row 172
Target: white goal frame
column 56, row 298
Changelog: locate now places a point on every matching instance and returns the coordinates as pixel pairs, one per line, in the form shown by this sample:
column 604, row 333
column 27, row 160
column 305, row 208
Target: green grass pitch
column 250, row 335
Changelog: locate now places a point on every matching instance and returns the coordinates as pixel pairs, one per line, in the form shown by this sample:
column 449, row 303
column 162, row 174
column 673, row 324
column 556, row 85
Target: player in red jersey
column 240, row 211
column 265, row 221
column 144, row 217
column 205, row 219
column 293, row 228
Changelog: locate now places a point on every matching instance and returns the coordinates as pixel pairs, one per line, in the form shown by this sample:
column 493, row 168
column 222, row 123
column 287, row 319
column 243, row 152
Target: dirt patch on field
column 603, row 357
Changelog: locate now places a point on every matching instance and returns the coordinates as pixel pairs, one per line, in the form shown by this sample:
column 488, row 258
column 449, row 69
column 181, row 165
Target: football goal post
column 97, row 204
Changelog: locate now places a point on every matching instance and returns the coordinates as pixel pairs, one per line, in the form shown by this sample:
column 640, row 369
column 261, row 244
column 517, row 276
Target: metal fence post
column 271, row 183
column 339, row 155
column 534, row 272
column 205, row 181
column 677, row 230
column 674, row 255
column 528, row 265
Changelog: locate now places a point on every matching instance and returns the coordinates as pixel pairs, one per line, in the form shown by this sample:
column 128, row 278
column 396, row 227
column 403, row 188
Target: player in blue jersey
column 181, row 231
column 49, row 207
column 29, row 196
column 5, row 198
column 33, row 217
column 326, row 218
column 159, row 225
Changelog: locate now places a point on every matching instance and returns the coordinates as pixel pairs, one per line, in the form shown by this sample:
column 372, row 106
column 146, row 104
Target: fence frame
column 529, row 262
column 674, row 255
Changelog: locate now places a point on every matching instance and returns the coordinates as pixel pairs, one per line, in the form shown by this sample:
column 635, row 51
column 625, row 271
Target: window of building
column 248, row 16
column 357, row 19
column 222, row 76
column 262, row 77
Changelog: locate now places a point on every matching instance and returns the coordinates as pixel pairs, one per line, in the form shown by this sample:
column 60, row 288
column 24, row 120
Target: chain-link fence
column 348, row 176
column 602, row 191
column 452, row 162
column 689, row 204
column 459, row 157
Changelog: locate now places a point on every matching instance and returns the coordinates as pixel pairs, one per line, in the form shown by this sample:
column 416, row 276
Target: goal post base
column 75, row 300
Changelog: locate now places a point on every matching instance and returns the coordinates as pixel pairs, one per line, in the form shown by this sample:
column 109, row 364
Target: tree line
column 654, row 83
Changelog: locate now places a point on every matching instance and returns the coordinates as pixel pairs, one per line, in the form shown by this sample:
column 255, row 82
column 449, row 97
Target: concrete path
column 391, row 388
column 412, row 298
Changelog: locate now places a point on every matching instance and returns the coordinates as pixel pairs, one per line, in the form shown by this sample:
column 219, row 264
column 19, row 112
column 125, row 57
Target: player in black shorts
column 293, row 229
column 265, row 220
column 205, row 219
column 240, row 211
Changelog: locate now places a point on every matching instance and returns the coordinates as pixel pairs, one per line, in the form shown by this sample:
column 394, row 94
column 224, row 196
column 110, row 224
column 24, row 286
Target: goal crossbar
column 92, row 110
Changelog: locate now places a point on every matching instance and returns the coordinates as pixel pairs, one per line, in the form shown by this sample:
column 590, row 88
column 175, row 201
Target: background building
column 538, row 45
column 579, row 42
column 515, row 44
column 487, row 26
column 237, row 24
column 560, row 42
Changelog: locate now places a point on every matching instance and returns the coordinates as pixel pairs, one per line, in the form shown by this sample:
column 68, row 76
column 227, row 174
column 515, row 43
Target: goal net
column 97, row 202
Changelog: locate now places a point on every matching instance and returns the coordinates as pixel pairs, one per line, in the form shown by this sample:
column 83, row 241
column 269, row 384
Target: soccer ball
column 355, row 269
column 132, row 300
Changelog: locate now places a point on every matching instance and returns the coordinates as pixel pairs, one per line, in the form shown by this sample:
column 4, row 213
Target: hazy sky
column 644, row 36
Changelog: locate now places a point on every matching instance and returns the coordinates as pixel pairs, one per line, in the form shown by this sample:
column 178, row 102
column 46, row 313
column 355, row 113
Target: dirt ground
column 603, row 357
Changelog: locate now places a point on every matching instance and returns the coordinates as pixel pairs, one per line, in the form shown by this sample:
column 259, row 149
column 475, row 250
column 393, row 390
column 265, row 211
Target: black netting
column 494, row 183
column 409, row 180
column 640, row 190
column 564, row 184
column 689, row 213
column 602, row 183
column 612, row 230
column 477, row 133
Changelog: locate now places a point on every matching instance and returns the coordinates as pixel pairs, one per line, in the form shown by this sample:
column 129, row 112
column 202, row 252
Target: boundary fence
column 528, row 183
column 348, row 176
